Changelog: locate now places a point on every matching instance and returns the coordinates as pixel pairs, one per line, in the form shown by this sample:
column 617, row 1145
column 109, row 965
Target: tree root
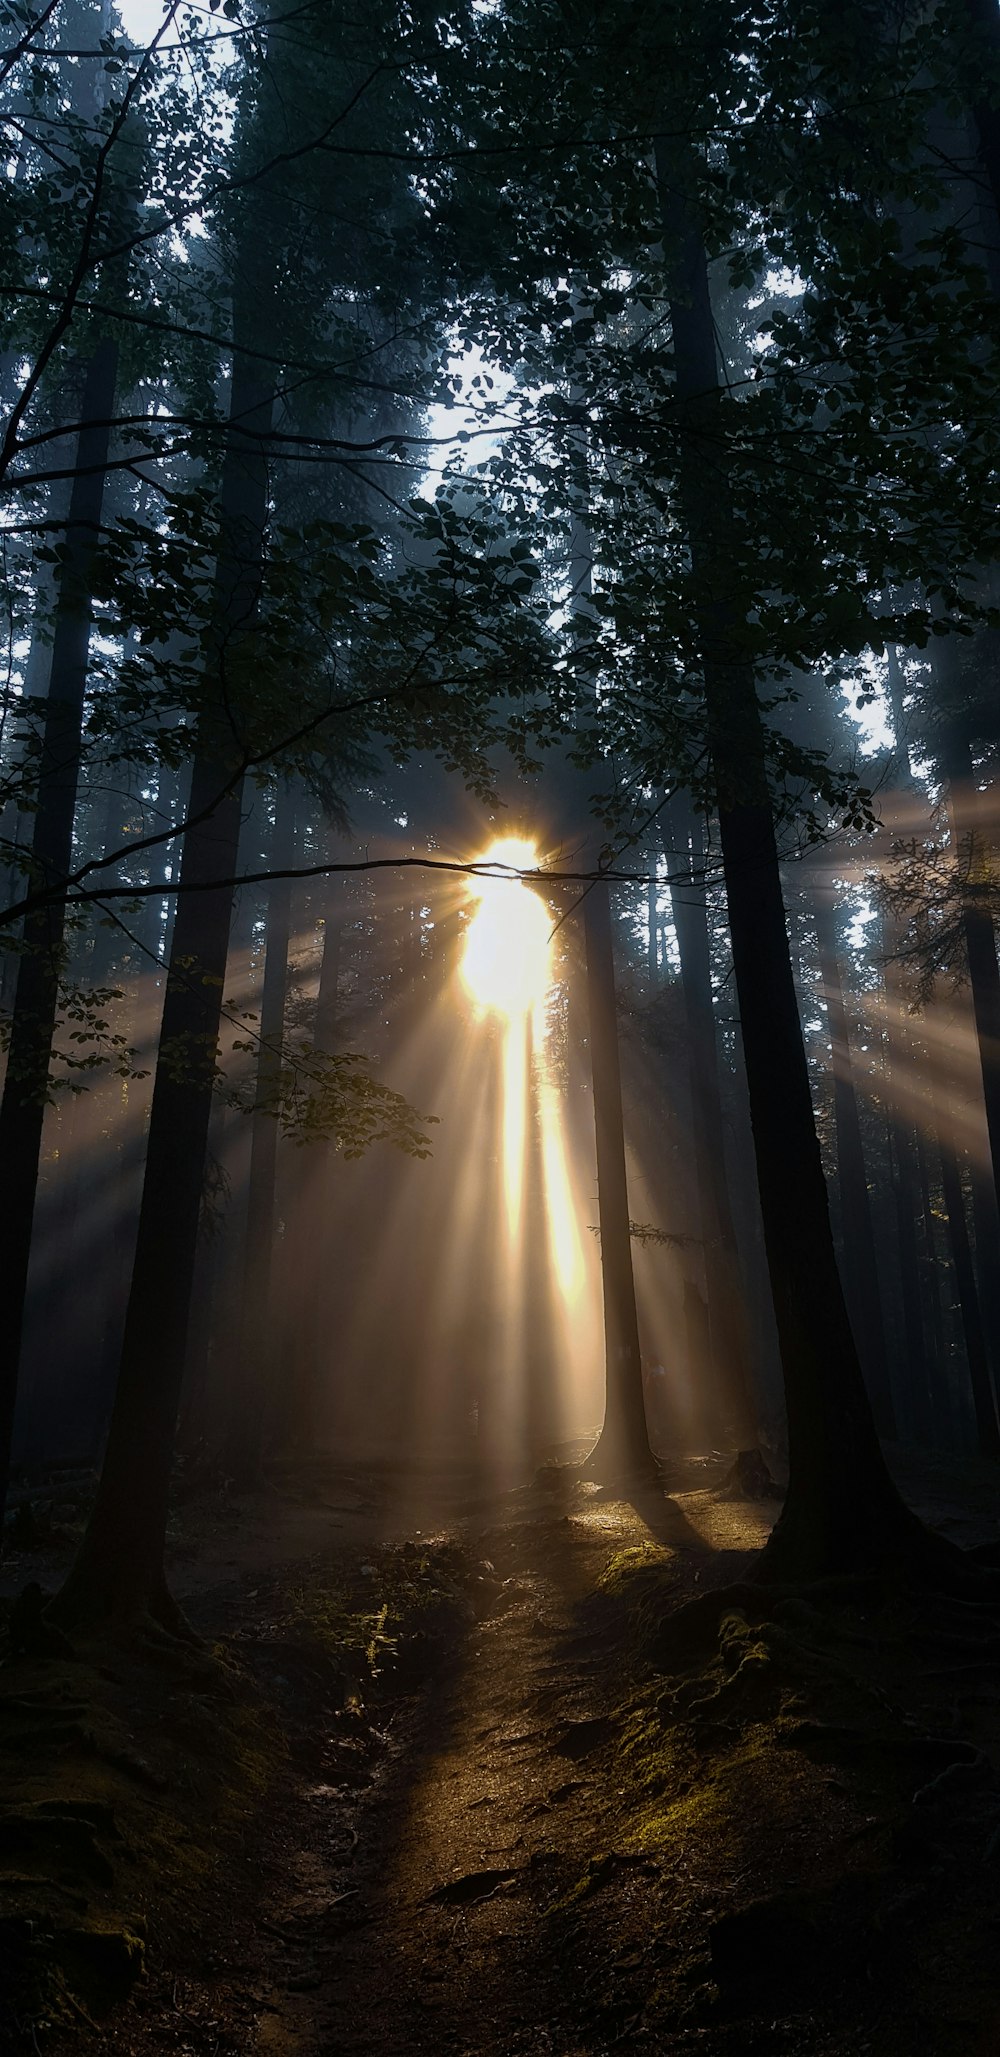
column 965, row 1588
column 750, row 1478
column 91, row 1605
column 628, row 1469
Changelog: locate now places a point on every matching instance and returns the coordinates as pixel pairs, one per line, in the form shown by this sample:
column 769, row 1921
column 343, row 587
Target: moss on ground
column 109, row 1765
column 818, row 1797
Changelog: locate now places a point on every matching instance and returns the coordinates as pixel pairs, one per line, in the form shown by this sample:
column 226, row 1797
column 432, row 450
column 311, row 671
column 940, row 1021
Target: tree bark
column 842, row 1511
column 986, row 1236
column 257, row 1340
column 652, row 937
column 119, row 1569
column 858, row 1238
column 929, row 1273
column 623, row 1444
column 541, row 1422
column 974, row 856
column 729, row 1341
column 896, row 689
column 987, row 1431
column 917, row 1377
column 36, row 998
column 325, row 1028
column 983, row 19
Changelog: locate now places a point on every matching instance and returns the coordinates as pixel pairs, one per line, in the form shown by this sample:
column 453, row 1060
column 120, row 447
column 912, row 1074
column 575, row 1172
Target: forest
column 500, row 1028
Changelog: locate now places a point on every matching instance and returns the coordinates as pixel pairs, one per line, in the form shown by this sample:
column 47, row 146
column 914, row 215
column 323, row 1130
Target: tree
column 119, row 1568
column 727, row 1319
column 831, row 1433
column 36, row 995
column 401, row 659
column 258, row 1342
column 623, row 1444
column 731, row 478
column 859, row 1240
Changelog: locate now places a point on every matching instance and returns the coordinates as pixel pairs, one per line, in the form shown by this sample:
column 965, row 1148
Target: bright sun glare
column 507, row 951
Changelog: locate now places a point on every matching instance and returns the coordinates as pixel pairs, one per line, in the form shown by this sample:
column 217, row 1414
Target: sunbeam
column 507, row 960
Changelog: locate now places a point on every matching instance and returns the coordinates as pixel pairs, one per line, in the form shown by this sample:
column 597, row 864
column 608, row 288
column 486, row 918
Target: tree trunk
column 730, row 1346
column 36, row 999
column 916, row 1384
column 325, row 1029
column 623, row 1444
column 983, row 18
column 540, row 1415
column 859, row 1241
column 257, row 1341
column 896, row 688
column 986, row 1234
column 318, row 1199
column 974, row 858
column 933, row 1322
column 842, row 1511
column 987, row 1431
column 119, row 1570
column 652, row 937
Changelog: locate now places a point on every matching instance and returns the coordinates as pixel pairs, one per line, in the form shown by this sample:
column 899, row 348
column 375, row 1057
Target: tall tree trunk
column 258, row 1341
column 916, row 1383
column 18, row 822
column 842, row 1510
column 926, row 1386
column 974, row 856
column 319, row 1175
column 894, row 675
column 859, row 1241
column 652, row 936
column 36, row 999
column 982, row 16
column 540, row 1417
column 987, row 1431
column 325, row 1028
column 933, row 1323
column 986, row 1234
column 623, row 1444
column 119, row 1569
column 730, row 1343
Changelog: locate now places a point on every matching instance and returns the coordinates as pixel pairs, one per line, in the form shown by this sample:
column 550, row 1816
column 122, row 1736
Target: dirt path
column 493, row 1820
column 531, row 1835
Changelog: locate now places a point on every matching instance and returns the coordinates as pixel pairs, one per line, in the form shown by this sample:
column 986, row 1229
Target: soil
column 453, row 1775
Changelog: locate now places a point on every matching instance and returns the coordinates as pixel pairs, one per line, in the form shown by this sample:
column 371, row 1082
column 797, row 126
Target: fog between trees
column 576, row 425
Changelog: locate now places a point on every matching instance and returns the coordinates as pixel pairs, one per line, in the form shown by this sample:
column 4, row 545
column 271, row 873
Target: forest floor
column 448, row 1784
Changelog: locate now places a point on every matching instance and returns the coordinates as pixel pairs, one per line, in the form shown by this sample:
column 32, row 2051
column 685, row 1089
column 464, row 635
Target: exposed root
column 611, row 1465
column 750, row 1478
column 696, row 1624
column 91, row 1606
column 892, row 1544
column 962, row 1588
column 170, row 1616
